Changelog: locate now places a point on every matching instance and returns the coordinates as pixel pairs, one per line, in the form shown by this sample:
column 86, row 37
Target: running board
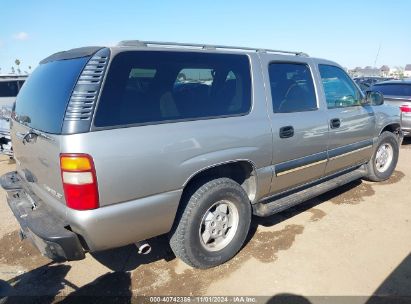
column 276, row 204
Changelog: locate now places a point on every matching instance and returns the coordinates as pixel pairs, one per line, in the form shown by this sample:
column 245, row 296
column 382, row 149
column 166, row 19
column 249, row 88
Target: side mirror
column 374, row 98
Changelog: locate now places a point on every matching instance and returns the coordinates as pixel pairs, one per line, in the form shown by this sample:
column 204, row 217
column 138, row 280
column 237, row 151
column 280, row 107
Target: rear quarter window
column 154, row 87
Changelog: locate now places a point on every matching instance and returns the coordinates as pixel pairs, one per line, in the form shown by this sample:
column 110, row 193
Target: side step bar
column 275, row 204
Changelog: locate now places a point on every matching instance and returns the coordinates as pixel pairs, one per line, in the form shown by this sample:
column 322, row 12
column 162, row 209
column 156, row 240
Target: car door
column 352, row 124
column 299, row 124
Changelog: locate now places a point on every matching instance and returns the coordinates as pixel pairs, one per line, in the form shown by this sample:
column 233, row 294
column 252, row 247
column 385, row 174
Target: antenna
column 376, row 57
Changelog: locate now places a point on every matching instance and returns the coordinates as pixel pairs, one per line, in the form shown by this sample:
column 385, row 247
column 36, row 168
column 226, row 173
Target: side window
column 8, row 88
column 339, row 89
column 151, row 87
column 292, row 88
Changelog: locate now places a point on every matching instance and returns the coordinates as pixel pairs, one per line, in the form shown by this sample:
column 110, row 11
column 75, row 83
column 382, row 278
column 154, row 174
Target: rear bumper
column 406, row 123
column 44, row 229
column 98, row 229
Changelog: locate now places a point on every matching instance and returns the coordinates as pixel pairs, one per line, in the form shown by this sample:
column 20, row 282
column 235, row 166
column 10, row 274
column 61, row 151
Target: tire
column 204, row 213
column 376, row 172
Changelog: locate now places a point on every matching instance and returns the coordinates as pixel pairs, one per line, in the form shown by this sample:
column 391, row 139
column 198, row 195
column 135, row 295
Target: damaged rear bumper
column 46, row 231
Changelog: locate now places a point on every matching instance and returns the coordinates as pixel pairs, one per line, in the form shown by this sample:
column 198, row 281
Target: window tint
column 292, row 88
column 149, row 87
column 393, row 89
column 43, row 99
column 8, row 88
column 339, row 89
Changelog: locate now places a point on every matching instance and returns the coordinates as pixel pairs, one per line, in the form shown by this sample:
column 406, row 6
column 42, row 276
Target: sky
column 346, row 31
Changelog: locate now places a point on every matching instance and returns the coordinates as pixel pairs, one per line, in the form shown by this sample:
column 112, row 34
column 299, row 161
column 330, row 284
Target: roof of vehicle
column 369, row 77
column 395, row 81
column 138, row 44
column 71, row 54
column 173, row 46
column 8, row 77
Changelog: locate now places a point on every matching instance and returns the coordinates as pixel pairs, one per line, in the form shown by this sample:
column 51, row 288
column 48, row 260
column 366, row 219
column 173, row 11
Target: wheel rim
column 384, row 157
column 219, row 225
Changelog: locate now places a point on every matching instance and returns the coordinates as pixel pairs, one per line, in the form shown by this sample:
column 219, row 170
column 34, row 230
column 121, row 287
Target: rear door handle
column 286, row 132
column 335, row 123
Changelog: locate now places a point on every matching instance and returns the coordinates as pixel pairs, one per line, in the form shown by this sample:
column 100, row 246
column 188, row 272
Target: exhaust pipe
column 143, row 247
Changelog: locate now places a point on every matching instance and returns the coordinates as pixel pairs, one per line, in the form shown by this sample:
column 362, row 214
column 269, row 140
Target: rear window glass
column 42, row 101
column 9, row 88
column 393, row 89
column 153, row 87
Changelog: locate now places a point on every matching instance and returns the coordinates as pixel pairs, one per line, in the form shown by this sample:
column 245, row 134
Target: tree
column 399, row 73
column 13, row 71
column 17, row 62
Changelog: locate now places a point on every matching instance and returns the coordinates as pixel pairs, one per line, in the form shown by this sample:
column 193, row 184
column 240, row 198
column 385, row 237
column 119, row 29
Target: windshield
column 42, row 101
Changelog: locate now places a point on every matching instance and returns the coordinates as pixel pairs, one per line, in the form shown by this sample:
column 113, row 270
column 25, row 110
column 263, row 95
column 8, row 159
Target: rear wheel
column 213, row 225
column 384, row 159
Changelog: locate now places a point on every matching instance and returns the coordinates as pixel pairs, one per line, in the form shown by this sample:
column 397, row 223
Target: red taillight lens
column 405, row 108
column 79, row 181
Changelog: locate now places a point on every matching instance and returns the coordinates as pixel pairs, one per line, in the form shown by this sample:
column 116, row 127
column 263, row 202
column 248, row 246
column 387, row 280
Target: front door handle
column 286, row 132
column 335, row 123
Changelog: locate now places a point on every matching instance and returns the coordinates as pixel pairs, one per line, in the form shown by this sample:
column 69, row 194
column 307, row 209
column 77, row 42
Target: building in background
column 365, row 72
column 407, row 70
column 385, row 71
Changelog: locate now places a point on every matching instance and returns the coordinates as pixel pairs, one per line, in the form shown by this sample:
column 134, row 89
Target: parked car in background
column 116, row 145
column 398, row 93
column 9, row 87
column 365, row 83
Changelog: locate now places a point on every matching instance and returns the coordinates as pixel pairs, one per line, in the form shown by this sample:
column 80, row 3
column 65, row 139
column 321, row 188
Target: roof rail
column 141, row 43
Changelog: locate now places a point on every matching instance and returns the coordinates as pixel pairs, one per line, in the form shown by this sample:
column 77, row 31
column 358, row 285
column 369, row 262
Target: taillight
column 79, row 181
column 405, row 108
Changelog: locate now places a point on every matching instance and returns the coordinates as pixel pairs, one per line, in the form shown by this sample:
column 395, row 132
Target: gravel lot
column 354, row 241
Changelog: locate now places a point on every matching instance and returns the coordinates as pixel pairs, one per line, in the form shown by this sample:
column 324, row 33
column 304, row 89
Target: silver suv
column 116, row 145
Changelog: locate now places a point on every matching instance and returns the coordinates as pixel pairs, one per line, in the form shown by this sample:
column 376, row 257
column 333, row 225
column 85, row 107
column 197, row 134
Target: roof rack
column 141, row 43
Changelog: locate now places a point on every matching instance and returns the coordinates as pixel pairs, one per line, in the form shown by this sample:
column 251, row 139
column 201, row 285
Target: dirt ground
column 354, row 241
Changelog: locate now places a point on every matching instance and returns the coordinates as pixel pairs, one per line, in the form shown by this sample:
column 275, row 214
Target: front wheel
column 213, row 225
column 384, row 159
